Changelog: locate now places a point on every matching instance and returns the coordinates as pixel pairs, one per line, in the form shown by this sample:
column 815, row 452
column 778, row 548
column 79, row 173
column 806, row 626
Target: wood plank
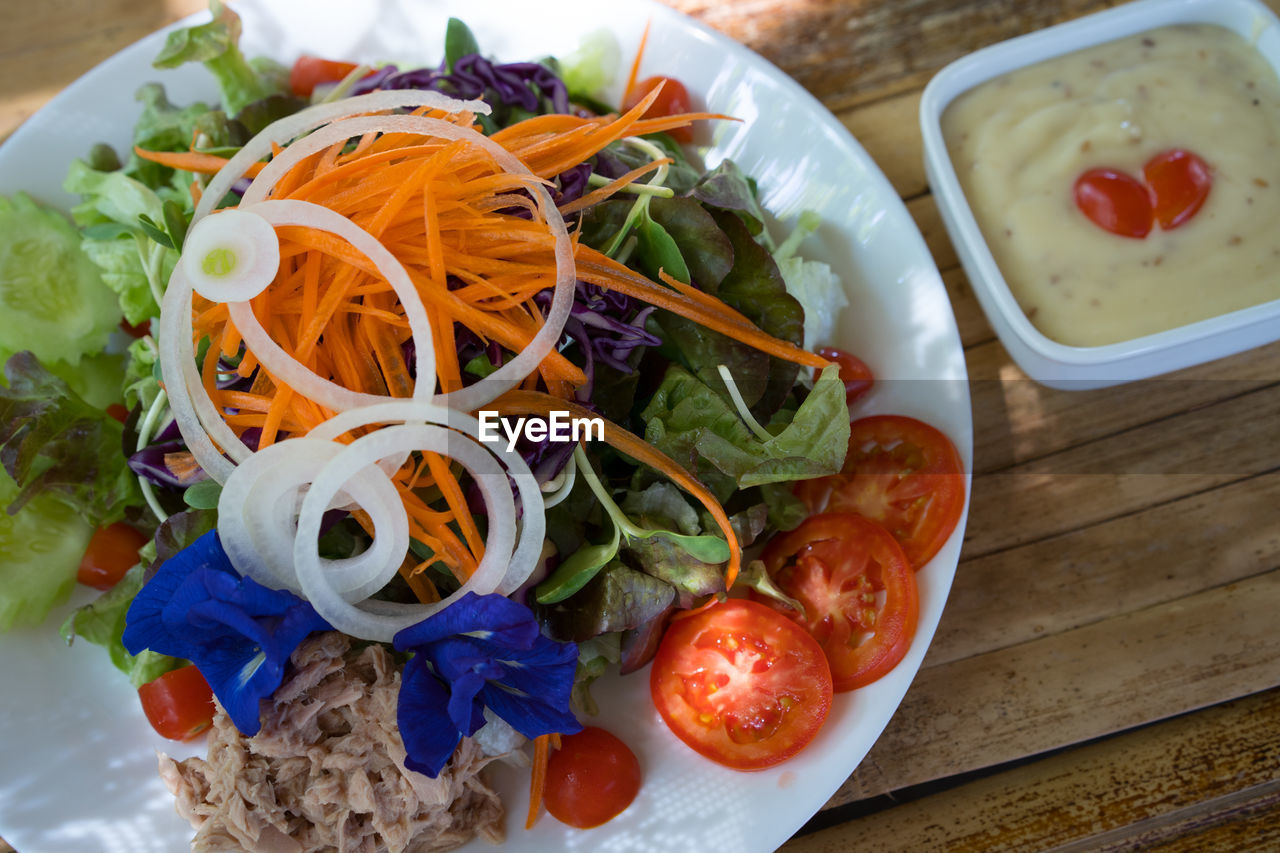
column 44, row 47
column 1120, row 566
column 1126, row 472
column 924, row 210
column 970, row 320
column 1016, row 419
column 1126, row 671
column 848, row 53
column 890, row 131
column 1181, row 782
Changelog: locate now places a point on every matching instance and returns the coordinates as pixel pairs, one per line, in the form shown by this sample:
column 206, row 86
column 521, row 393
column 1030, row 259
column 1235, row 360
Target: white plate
column 77, row 764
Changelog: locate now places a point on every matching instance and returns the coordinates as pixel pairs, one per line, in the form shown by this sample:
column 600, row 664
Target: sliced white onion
column 231, row 257
column 283, row 131
column 380, row 624
column 533, row 526
column 178, row 369
column 527, row 360
column 292, row 372
column 257, row 519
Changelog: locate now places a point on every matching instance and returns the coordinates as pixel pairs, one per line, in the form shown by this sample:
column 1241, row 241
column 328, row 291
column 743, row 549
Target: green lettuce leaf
column 40, row 550
column 54, row 443
column 696, row 427
column 102, row 623
column 216, row 44
column 130, row 262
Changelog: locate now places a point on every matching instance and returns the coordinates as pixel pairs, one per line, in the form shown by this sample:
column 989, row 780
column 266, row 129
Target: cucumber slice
column 40, row 551
column 52, row 299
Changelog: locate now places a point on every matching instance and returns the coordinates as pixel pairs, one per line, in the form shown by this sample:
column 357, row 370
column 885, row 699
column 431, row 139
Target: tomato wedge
column 591, row 778
column 672, row 100
column 902, row 474
column 310, row 71
column 741, row 684
column 837, row 565
column 111, row 553
column 179, row 704
column 854, row 373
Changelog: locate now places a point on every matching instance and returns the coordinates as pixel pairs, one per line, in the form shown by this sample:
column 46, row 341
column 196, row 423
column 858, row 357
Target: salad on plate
column 391, row 407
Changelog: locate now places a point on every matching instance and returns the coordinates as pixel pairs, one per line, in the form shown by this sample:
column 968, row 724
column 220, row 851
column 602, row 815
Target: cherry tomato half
column 1179, row 182
column 741, row 684
column 112, row 551
column 672, row 100
column 179, row 704
column 837, row 564
column 310, row 71
column 591, row 778
column 902, row 474
column 1115, row 202
column 854, row 373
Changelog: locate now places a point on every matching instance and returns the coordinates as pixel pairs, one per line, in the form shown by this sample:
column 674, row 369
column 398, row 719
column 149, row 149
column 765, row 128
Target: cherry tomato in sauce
column 1116, row 202
column 1179, row 183
column 854, row 373
column 672, row 100
column 858, row 590
column 310, row 71
column 112, row 551
column 178, row 704
column 741, row 684
column 591, row 778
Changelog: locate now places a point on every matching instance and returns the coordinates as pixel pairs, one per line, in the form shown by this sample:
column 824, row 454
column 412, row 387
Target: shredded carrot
column 536, row 403
column 612, row 187
column 635, row 63
column 597, row 268
column 538, row 779
column 192, row 161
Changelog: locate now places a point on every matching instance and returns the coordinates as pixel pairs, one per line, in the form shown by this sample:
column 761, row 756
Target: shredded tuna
column 326, row 774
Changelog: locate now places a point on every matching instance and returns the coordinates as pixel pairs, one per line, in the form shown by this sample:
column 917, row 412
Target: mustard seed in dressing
column 1020, row 141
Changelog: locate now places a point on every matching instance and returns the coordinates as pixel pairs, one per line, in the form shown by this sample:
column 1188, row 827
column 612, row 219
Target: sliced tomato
column 1180, row 183
column 741, row 684
column 310, row 71
column 672, row 100
column 858, row 591
column 1115, row 202
column 902, row 474
column 854, row 373
column 179, row 704
column 591, row 778
column 112, row 551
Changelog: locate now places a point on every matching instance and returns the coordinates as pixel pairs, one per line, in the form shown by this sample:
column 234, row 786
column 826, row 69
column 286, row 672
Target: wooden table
column 1105, row 674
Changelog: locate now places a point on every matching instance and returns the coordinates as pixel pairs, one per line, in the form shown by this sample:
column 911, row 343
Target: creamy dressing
column 1019, row 142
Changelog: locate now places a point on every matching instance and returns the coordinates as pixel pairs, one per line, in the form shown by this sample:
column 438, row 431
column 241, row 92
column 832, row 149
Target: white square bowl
column 1047, row 361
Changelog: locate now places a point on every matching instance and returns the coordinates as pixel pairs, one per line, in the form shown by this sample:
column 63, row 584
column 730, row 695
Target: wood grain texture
column 1201, row 782
column 1123, row 565
column 849, row 53
column 1123, row 558
column 1078, row 684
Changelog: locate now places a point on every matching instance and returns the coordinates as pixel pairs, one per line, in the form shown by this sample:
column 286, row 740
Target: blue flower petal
column 429, row 736
column 482, row 651
column 494, row 617
column 238, row 632
column 530, row 716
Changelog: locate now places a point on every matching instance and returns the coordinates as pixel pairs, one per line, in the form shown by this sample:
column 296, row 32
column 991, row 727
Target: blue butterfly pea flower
column 239, row 633
column 481, row 651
